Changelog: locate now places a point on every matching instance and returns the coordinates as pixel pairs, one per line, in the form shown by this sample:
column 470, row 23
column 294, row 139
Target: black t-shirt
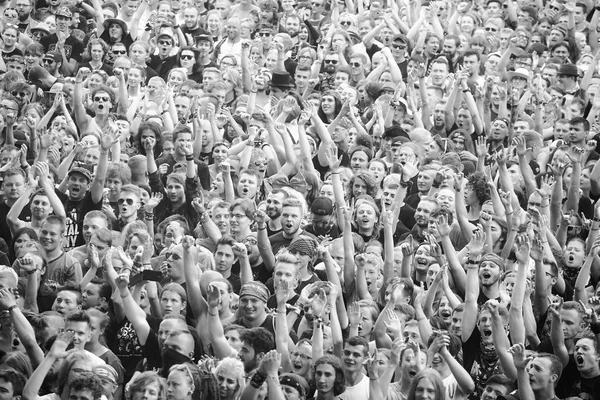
column 569, row 375
column 278, row 241
column 4, row 230
column 73, row 47
column 76, row 211
column 480, row 368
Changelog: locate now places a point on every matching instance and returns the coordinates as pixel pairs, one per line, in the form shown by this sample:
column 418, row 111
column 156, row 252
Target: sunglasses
column 187, row 57
column 20, row 94
column 264, row 34
column 346, row 23
column 331, row 62
column 123, row 201
column 119, row 51
column 490, row 29
column 399, row 46
column 355, row 64
column 165, row 42
column 46, row 61
column 174, row 256
column 102, row 99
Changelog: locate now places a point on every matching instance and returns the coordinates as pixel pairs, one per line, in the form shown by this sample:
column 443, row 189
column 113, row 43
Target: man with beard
column 498, row 133
column 163, row 62
column 64, row 42
column 426, row 206
column 256, row 342
column 52, row 62
column 14, row 189
column 450, row 51
column 323, row 222
column 43, row 202
column 292, row 212
column 24, row 9
column 191, row 27
column 275, row 200
column 182, row 106
column 331, row 63
column 292, row 27
column 438, row 127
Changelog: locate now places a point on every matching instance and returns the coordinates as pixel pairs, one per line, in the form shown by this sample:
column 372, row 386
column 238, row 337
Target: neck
column 491, row 292
column 303, row 273
column 94, row 347
column 129, row 219
column 256, row 322
column 178, row 204
column 101, row 119
column 293, row 235
column 275, row 224
column 225, row 313
column 95, row 63
column 178, row 156
column 9, row 202
column 325, row 396
column 226, row 274
column 544, row 394
column 366, row 232
column 53, row 254
column 353, row 377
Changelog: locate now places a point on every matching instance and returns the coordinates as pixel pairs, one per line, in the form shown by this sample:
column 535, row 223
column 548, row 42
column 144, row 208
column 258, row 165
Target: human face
column 571, row 323
column 463, row 119
column 471, row 63
column 51, row 236
column 14, row 187
column 449, row 47
column 10, row 37
column 366, row 216
column 456, row 323
column 239, row 222
column 165, row 45
column 489, row 273
column 274, row 201
column 188, row 59
column 182, row 105
column 423, row 212
column 577, row 133
column 190, row 16
column 149, row 392
column 227, row 384
column 247, row 186
column 425, row 181
column 439, row 73
column 252, row 308
column 377, row 169
column 248, row 356
column 179, row 385
column 174, row 259
column 91, row 225
column 291, row 217
column 90, row 297
column 359, row 160
column 224, row 258
column 65, row 302
column 221, row 217
column 586, row 356
column 175, row 192
column 81, row 332
column 540, row 376
column 138, row 54
column 574, row 254
column 325, row 378
column 353, row 357
column 484, row 324
column 301, row 359
column 129, row 204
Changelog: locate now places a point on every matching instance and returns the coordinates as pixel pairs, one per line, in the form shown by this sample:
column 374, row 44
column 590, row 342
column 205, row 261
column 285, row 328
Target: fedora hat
column 282, row 79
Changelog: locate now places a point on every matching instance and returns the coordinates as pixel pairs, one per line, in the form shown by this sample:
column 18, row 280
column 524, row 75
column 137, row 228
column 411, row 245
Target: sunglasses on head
column 123, row 201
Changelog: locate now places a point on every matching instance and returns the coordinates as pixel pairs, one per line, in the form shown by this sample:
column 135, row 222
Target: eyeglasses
column 101, row 99
column 20, row 94
column 355, row 64
column 331, row 62
column 250, row 240
column 187, row 57
column 264, row 34
column 165, row 42
column 305, row 58
column 123, row 201
column 119, row 52
column 304, row 357
column 47, row 61
column 238, row 216
column 174, row 256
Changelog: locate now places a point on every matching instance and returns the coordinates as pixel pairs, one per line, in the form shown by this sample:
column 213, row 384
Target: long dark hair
column 155, row 128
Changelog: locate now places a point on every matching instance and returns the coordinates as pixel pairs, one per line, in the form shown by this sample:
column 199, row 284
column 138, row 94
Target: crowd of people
column 330, row 199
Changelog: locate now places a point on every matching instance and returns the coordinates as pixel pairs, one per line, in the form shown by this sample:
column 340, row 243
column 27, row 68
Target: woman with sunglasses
column 187, row 58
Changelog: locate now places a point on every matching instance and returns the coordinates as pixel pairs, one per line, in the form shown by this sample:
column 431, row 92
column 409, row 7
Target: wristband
column 214, row 315
column 9, row 309
column 257, row 380
column 262, row 228
column 189, row 158
column 33, row 271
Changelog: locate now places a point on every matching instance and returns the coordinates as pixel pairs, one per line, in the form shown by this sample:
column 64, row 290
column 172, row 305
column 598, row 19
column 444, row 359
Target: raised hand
column 354, row 314
column 477, row 243
column 269, row 365
column 518, row 353
column 213, row 298
column 319, row 301
column 393, row 325
column 240, row 250
column 122, row 281
column 153, row 201
column 282, row 292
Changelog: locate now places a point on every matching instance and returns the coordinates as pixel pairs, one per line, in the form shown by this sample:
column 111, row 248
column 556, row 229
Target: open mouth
column 412, row 374
column 445, row 314
column 580, row 360
column 486, row 275
column 487, row 332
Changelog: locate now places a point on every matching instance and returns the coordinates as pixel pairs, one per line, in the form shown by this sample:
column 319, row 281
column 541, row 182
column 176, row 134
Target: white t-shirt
column 360, row 391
